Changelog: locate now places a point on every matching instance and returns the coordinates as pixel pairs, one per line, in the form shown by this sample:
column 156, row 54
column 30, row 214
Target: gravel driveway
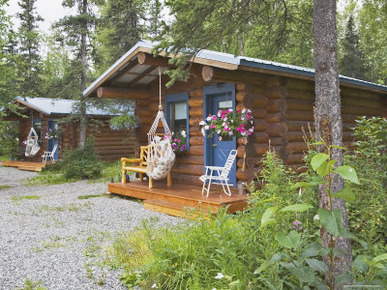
column 48, row 234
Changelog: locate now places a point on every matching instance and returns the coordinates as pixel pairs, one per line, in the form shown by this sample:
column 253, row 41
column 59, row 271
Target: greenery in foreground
column 275, row 244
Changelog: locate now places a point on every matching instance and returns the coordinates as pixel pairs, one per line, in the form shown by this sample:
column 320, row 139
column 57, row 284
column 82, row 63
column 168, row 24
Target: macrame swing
column 160, row 155
column 32, row 145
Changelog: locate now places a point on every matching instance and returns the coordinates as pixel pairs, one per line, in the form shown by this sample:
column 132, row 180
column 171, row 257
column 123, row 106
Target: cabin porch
column 179, row 198
column 24, row 165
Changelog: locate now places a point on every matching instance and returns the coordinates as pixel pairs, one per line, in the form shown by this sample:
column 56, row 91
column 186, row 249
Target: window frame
column 176, row 98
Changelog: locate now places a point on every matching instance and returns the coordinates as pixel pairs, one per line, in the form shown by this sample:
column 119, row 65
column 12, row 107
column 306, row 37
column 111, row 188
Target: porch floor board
column 23, row 165
column 180, row 197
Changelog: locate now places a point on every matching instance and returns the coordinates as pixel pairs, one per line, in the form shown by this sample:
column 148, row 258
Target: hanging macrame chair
column 32, row 145
column 160, row 153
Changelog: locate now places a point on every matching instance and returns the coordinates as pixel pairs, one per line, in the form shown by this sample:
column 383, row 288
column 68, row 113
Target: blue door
column 219, row 97
column 53, row 126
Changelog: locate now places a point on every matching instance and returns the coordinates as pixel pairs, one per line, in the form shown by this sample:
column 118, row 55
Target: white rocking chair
column 222, row 177
column 50, row 155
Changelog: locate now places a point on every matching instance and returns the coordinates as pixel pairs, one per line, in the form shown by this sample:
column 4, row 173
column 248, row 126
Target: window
column 176, row 113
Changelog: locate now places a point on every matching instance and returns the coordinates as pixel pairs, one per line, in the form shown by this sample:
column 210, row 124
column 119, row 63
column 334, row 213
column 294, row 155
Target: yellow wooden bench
column 139, row 165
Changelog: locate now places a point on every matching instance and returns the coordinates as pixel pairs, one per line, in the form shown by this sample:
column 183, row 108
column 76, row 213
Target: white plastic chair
column 221, row 177
column 49, row 155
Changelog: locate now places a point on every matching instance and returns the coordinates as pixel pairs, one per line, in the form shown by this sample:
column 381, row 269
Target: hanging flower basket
column 52, row 134
column 179, row 141
column 228, row 123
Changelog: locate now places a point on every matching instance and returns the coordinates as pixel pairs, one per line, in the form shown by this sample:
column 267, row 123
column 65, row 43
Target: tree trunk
column 328, row 123
column 82, row 103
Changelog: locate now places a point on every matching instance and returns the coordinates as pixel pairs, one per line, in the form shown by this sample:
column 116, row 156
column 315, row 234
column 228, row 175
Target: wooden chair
column 221, row 177
column 139, row 166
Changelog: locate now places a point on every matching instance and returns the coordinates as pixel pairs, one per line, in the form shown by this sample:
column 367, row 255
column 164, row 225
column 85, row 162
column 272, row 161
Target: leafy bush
column 82, row 162
column 368, row 212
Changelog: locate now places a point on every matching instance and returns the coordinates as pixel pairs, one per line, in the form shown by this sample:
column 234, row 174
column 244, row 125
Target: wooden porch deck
column 23, row 165
column 180, row 199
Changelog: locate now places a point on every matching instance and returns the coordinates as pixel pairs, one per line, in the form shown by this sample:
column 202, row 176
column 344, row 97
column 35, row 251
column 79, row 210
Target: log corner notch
column 121, row 93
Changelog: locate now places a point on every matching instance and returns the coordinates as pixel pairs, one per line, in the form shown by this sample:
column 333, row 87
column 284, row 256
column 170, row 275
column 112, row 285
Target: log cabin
column 280, row 96
column 44, row 115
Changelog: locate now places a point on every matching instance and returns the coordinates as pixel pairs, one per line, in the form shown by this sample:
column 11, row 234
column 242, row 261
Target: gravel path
column 48, row 234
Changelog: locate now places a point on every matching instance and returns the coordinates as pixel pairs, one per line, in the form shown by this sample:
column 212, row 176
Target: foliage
column 126, row 121
column 371, row 162
column 228, row 123
column 372, row 19
column 119, row 28
column 29, row 63
column 275, row 244
column 352, row 62
column 82, row 162
column 265, row 29
column 9, row 139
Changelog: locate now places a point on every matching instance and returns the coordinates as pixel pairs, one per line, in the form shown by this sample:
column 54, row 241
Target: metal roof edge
column 303, row 71
column 25, row 101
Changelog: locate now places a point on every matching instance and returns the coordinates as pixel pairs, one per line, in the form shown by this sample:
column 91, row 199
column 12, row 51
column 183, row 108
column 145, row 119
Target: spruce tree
column 352, row 62
column 119, row 28
column 29, row 64
column 77, row 33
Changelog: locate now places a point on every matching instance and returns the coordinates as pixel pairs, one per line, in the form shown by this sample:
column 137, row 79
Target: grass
column 71, row 207
column 31, row 285
column 90, row 196
column 23, row 197
column 4, row 186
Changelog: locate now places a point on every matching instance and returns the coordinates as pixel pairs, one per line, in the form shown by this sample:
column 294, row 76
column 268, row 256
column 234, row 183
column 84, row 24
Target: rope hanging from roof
column 160, row 155
column 32, row 145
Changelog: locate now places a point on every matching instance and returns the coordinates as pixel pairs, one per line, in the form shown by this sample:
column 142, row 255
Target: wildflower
column 296, row 225
column 219, row 276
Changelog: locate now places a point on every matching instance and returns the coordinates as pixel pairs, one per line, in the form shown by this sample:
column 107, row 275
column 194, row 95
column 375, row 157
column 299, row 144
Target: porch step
column 30, row 168
column 174, row 209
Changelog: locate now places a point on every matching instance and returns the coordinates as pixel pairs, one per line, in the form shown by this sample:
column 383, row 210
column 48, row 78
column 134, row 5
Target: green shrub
column 82, row 162
column 368, row 213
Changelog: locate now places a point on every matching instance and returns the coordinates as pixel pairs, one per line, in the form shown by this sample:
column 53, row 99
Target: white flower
column 230, row 133
column 183, row 133
column 209, row 118
column 218, row 131
column 155, row 286
column 243, row 111
column 219, row 276
column 206, row 127
column 230, row 110
column 202, row 123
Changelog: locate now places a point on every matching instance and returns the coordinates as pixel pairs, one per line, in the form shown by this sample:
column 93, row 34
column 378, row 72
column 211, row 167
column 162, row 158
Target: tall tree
column 352, row 62
column 29, row 65
column 119, row 28
column 264, row 29
column 76, row 32
column 373, row 41
column 328, row 125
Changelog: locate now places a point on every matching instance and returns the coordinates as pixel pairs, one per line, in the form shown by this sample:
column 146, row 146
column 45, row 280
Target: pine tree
column 119, row 29
column 77, row 32
column 29, row 64
column 352, row 62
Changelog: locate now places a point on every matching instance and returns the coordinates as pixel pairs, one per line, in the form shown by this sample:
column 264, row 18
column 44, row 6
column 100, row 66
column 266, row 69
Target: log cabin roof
column 51, row 106
column 130, row 72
